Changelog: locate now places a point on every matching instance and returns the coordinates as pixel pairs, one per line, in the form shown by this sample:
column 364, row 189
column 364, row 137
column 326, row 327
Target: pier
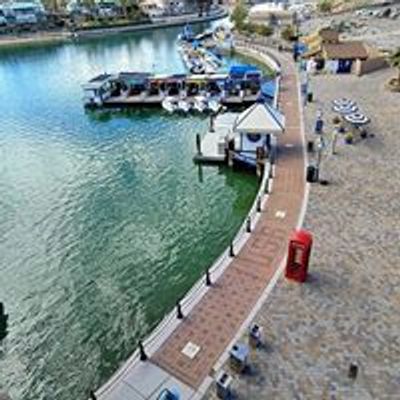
column 191, row 344
column 243, row 85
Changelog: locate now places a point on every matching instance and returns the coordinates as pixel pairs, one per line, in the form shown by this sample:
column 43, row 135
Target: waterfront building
column 24, row 12
column 160, row 8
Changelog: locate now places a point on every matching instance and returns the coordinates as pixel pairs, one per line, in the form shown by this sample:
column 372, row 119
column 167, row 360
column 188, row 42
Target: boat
column 183, row 105
column 170, row 104
column 200, row 104
column 214, row 105
column 98, row 90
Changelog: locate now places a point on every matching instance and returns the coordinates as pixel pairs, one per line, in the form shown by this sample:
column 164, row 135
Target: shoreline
column 10, row 41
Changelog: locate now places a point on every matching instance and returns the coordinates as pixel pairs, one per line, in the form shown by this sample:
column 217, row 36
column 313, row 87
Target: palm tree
column 395, row 62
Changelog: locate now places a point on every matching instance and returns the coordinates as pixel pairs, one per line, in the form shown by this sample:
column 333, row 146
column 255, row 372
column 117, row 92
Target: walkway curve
column 222, row 312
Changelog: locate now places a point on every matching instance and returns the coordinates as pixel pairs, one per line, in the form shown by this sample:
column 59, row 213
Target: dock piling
column 198, row 143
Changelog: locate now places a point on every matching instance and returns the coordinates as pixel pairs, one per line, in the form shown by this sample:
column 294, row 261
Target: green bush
column 288, row 33
column 325, row 6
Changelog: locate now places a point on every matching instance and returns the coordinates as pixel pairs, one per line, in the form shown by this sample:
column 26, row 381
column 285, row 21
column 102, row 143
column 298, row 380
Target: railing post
column 231, row 250
column 248, row 225
column 208, row 278
column 143, row 355
column 266, row 188
column 259, row 204
column 92, row 395
column 179, row 313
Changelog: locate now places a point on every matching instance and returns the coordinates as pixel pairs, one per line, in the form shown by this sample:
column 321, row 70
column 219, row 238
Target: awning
column 260, row 118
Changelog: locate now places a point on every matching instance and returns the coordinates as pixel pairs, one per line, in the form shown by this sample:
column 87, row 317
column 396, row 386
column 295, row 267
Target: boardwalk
column 215, row 320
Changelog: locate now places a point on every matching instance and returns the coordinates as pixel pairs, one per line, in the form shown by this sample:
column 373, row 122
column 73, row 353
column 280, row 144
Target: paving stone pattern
column 349, row 310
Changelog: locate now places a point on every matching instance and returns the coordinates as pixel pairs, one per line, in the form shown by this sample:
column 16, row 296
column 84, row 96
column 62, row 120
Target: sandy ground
column 348, row 311
column 383, row 33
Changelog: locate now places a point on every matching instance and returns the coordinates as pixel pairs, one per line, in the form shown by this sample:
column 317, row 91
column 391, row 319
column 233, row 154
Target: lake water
column 104, row 219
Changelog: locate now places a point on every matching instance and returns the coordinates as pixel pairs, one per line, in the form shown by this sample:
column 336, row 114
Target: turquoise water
column 104, row 219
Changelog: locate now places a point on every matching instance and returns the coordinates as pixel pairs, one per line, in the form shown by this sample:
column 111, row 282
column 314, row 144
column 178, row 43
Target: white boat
column 214, row 105
column 183, row 105
column 200, row 104
column 170, row 104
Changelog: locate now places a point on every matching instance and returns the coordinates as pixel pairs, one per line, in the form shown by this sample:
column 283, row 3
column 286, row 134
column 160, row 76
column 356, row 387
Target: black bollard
column 259, row 204
column 208, row 278
column 92, row 395
column 179, row 313
column 266, row 189
column 143, row 355
column 231, row 251
column 248, row 225
column 353, row 371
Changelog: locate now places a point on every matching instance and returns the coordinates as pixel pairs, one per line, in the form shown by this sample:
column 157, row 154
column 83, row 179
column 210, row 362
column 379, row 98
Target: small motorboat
column 198, row 69
column 200, row 104
column 214, row 105
column 184, row 106
column 170, row 104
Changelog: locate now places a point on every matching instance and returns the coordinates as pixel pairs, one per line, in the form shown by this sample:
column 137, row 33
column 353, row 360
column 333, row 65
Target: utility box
column 223, row 386
column 298, row 258
column 255, row 336
column 238, row 357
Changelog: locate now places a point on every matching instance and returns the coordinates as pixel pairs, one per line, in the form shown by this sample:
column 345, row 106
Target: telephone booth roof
column 301, row 236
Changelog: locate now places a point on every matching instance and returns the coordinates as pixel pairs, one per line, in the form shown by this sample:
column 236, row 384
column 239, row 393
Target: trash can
column 223, row 386
column 312, row 173
column 255, row 336
column 310, row 97
column 310, row 146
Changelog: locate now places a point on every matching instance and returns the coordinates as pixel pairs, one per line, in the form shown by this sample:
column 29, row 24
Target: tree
column 239, row 15
column 395, row 62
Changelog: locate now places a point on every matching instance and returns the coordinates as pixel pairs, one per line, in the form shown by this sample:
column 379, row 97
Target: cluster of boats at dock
column 202, row 53
column 242, row 85
column 204, row 89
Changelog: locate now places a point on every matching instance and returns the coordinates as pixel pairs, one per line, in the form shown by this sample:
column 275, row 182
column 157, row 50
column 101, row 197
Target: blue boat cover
column 268, row 88
column 240, row 70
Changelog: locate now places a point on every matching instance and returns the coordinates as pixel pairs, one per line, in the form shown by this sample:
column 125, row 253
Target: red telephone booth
column 300, row 243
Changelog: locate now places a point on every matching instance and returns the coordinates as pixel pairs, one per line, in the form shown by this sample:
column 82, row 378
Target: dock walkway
column 212, row 325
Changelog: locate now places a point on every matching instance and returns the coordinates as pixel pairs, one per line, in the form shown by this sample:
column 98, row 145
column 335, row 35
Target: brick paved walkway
column 215, row 320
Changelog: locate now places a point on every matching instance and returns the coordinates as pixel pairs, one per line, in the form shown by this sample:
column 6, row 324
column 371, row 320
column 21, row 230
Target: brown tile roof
column 345, row 51
column 328, row 35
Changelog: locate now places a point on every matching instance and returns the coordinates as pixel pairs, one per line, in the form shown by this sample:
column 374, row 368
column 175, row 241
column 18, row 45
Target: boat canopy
column 134, row 78
column 98, row 82
column 260, row 118
column 268, row 89
column 242, row 71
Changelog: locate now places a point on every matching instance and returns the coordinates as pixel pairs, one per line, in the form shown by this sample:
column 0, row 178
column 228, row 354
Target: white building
column 24, row 12
column 159, row 8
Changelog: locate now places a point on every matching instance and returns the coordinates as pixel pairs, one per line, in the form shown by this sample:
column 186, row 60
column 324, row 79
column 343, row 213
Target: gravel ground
column 383, row 33
column 348, row 311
